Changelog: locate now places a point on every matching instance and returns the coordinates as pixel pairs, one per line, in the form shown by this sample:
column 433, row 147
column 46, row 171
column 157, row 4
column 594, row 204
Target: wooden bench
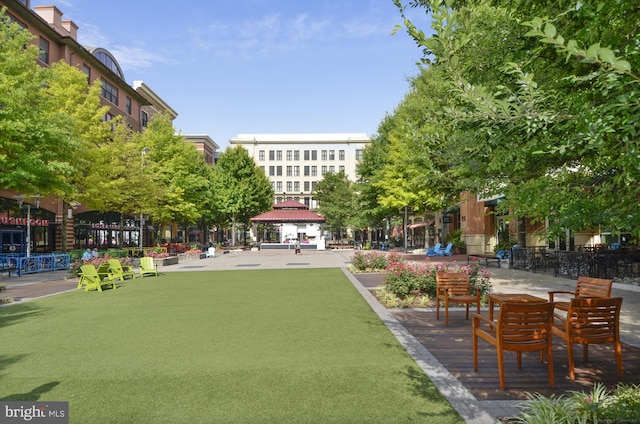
column 496, row 257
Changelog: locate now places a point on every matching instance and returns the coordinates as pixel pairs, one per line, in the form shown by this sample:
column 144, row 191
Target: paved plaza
column 33, row 286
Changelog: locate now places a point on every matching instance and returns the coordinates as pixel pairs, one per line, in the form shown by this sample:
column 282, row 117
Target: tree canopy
column 541, row 105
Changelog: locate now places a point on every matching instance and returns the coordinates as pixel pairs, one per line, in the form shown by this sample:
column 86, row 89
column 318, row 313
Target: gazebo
column 295, row 222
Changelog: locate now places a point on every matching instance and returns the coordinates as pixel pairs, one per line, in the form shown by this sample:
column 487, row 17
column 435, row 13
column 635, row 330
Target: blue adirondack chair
column 432, row 250
column 446, row 251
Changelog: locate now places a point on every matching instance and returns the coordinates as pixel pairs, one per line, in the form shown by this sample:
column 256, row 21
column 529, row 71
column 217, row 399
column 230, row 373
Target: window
column 278, row 186
column 279, row 171
column 44, row 50
column 314, row 171
column 262, row 169
column 307, row 171
column 296, row 186
column 332, row 155
column 324, row 155
column 332, row 169
column 144, row 119
column 359, row 154
column 289, row 186
column 313, row 185
column 296, row 171
column 261, row 155
column 289, row 154
column 324, row 169
column 307, row 201
column 272, row 171
column 127, row 104
column 108, row 61
column 306, row 185
column 341, row 168
column 289, row 171
column 314, row 155
column 279, row 155
column 340, row 154
column 110, row 92
column 87, row 70
column 272, row 155
column 273, row 186
column 307, row 155
column 296, row 155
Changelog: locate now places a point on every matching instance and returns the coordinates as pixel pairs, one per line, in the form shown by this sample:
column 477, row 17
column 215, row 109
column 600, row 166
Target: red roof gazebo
column 290, row 211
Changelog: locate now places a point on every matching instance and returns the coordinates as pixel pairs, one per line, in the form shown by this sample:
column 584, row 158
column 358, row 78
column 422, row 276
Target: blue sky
column 258, row 66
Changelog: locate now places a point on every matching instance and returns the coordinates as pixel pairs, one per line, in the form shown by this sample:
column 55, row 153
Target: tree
column 44, row 114
column 544, row 110
column 179, row 169
column 240, row 189
column 337, row 201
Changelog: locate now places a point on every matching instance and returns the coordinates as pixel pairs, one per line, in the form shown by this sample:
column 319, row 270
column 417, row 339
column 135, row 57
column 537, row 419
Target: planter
column 171, row 260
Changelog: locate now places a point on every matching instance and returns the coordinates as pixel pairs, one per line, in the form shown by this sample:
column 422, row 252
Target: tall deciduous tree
column 240, row 189
column 44, row 113
column 544, row 110
column 337, row 201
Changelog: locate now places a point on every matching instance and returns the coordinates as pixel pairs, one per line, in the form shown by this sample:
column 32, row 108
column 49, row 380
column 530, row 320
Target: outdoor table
column 499, row 298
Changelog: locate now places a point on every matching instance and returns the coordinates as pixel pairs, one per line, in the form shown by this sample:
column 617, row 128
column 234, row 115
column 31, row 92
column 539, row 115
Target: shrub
column 598, row 406
column 370, row 261
column 403, row 278
column 158, row 255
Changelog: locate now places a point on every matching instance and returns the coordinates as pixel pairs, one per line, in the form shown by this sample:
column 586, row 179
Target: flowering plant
column 157, row 255
column 193, row 252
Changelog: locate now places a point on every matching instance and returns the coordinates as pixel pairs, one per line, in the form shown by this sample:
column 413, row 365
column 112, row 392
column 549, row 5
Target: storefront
column 16, row 219
column 108, row 230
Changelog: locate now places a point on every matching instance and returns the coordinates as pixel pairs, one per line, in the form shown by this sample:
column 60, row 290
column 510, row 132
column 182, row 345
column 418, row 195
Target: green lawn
column 267, row 346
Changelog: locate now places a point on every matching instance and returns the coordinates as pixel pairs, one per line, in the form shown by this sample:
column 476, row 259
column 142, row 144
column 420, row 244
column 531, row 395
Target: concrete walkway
column 33, row 286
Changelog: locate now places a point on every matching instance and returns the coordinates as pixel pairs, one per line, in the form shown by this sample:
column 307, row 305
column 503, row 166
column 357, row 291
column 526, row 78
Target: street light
column 145, row 151
column 21, row 199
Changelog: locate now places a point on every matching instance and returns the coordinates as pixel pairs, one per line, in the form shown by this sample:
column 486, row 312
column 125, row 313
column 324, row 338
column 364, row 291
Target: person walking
column 297, row 247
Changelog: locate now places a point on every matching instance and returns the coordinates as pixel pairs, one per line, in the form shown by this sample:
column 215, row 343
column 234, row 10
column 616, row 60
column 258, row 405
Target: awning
column 418, row 225
column 493, row 202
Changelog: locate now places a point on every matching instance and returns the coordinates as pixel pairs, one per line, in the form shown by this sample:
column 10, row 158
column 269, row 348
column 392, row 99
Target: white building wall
column 294, row 163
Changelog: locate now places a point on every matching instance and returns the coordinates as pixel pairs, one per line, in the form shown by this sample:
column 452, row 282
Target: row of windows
column 293, row 186
column 307, row 155
column 308, row 171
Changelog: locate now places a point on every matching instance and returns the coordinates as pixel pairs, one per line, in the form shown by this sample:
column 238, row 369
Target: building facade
column 294, row 163
column 49, row 218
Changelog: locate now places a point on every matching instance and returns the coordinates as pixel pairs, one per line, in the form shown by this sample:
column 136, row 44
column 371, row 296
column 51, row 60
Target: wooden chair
column 121, row 271
column 585, row 287
column 454, row 287
column 91, row 279
column 521, row 327
column 148, row 267
column 590, row 321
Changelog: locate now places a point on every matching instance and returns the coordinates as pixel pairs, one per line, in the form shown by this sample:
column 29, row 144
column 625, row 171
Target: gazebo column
column 254, row 233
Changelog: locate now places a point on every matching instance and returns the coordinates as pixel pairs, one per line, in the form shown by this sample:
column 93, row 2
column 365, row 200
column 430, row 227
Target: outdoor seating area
column 522, row 343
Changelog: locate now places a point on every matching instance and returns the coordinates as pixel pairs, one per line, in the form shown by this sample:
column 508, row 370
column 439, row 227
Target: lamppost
column 21, row 199
column 145, row 151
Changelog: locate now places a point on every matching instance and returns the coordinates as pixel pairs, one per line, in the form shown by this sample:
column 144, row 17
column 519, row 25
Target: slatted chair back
column 593, row 287
column 454, row 287
column 587, row 287
column 591, row 321
column 521, row 327
column 148, row 266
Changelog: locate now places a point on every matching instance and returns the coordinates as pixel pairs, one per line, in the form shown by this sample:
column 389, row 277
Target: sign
column 446, row 219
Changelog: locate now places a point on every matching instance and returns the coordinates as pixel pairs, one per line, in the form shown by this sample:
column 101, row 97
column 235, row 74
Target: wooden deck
column 452, row 347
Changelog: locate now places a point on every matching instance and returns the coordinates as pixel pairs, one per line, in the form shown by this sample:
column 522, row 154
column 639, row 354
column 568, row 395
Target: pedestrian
column 94, row 253
column 86, row 255
column 297, row 247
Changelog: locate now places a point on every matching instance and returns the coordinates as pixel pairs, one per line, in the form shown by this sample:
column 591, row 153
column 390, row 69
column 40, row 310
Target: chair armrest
column 554, row 292
column 477, row 319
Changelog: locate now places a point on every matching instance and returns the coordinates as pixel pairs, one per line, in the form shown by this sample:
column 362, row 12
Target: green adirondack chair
column 148, row 267
column 119, row 270
column 90, row 278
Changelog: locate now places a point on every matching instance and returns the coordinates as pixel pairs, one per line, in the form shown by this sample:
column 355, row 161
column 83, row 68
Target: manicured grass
column 267, row 346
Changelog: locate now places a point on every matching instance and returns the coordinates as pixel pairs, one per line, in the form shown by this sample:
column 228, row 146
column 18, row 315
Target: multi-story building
column 57, row 39
column 294, row 163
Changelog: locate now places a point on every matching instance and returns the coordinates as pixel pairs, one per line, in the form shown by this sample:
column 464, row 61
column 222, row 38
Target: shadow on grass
column 425, row 388
column 33, row 395
column 15, row 313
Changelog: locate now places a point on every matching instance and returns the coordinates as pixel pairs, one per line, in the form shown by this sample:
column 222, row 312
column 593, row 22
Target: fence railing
column 21, row 264
column 619, row 263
